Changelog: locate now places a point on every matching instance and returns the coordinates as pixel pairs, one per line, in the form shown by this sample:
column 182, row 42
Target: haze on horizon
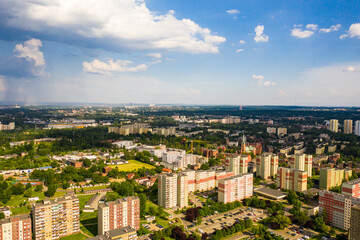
column 253, row 52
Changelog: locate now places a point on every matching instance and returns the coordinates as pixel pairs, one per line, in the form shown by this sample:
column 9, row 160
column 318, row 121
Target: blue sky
column 254, row 52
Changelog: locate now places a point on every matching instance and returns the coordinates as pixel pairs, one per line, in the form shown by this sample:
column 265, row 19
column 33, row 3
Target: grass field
column 131, row 166
column 88, row 223
column 77, row 236
column 83, row 199
column 92, row 188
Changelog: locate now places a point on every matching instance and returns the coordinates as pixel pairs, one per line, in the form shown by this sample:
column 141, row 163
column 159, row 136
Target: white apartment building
column 235, row 188
column 237, row 164
column 267, row 165
column 292, row 179
column 205, row 180
column 357, row 128
column 334, row 125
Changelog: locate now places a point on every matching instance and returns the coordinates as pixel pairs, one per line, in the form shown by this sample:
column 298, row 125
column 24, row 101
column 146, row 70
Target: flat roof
column 114, row 234
column 20, row 217
column 272, row 193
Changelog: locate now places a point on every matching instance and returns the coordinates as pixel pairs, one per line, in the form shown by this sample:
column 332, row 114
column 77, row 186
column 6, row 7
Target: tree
column 280, row 221
column 204, row 166
column 17, row 189
column 28, row 193
column 28, row 186
column 65, row 185
column 39, row 188
column 111, row 196
column 198, row 220
column 142, row 198
column 2, row 215
column 51, row 190
column 6, row 196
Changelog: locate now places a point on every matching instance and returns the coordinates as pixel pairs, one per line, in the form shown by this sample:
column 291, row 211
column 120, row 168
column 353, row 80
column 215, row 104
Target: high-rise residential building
column 56, row 218
column 351, row 188
column 271, row 130
column 267, row 165
column 354, row 232
column 302, row 162
column 237, row 164
column 118, row 214
column 292, row 179
column 174, row 189
column 182, row 190
column 235, row 188
column 357, row 128
column 16, row 227
column 221, row 175
column 334, row 125
column 348, row 126
column 331, row 177
column 337, row 208
column 205, row 180
column 167, row 190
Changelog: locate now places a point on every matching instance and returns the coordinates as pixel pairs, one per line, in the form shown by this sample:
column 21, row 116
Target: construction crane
column 192, row 143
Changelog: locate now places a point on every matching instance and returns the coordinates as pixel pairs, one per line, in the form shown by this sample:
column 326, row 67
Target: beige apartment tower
column 334, row 125
column 173, row 190
column 331, row 177
column 237, row 164
column 182, row 190
column 302, row 162
column 292, row 179
column 348, row 126
column 355, row 223
column 16, row 227
column 53, row 219
column 267, row 165
column 121, row 213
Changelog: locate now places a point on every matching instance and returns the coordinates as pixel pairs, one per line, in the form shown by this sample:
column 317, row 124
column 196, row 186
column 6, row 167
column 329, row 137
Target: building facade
column 331, row 177
column 351, row 188
column 337, row 208
column 348, row 126
column 56, row 218
column 292, row 179
column 237, row 164
column 235, row 188
column 121, row 213
column 16, row 227
column 302, row 162
column 267, row 165
column 355, row 223
column 167, row 191
column 334, row 125
column 357, row 128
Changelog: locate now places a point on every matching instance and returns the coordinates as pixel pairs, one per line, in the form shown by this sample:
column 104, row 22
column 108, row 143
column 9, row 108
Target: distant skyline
column 250, row 52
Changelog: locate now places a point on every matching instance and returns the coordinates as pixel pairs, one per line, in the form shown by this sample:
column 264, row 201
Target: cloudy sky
column 249, row 52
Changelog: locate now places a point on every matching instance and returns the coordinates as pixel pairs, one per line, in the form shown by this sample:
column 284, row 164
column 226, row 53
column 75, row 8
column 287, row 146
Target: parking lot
column 218, row 221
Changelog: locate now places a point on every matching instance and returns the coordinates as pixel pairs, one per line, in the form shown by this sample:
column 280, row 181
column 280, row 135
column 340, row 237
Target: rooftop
column 271, row 193
column 20, row 217
column 55, row 201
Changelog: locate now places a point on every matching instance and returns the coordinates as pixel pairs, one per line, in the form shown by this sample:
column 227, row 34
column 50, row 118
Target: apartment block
column 222, row 175
column 205, row 180
column 351, row 188
column 337, row 208
column 281, row 131
column 235, row 188
column 292, row 179
column 118, row 214
column 271, row 130
column 53, row 219
column 173, row 190
column 302, row 162
column 16, row 227
column 357, row 128
column 267, row 165
column 334, row 125
column 355, row 223
column 348, row 126
column 331, row 177
column 237, row 164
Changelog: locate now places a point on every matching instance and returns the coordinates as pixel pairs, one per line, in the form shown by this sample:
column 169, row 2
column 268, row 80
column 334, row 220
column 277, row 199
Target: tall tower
column 348, row 126
column 334, row 125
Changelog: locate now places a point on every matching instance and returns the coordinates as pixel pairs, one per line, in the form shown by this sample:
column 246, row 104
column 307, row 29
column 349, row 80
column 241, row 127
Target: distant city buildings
column 348, row 126
column 53, row 219
column 121, row 213
column 267, row 165
column 16, row 227
column 10, row 126
column 235, row 188
column 334, row 125
column 271, row 130
column 281, row 131
column 140, row 128
column 292, row 179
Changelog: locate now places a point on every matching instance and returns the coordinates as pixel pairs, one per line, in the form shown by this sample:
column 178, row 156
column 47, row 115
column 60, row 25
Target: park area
column 131, row 166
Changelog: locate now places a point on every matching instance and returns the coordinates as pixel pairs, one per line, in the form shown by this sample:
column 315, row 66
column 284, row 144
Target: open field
column 83, row 199
column 131, row 166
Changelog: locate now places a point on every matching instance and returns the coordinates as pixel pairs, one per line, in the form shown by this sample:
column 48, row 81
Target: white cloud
column 261, row 82
column 258, row 77
column 354, row 30
column 115, row 25
column 297, row 32
column 332, row 28
column 349, row 69
column 343, row 36
column 312, row 27
column 239, row 50
column 154, row 55
column 233, row 11
column 31, row 51
column 242, row 42
column 112, row 65
column 259, row 34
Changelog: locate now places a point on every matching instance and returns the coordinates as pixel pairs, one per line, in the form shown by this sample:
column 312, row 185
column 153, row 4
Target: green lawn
column 92, row 188
column 16, row 200
column 83, row 199
column 131, row 166
column 20, row 210
column 77, row 236
column 89, row 223
column 91, row 230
